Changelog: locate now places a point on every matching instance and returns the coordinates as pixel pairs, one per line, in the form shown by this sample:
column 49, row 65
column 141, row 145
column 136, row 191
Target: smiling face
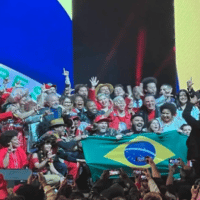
column 183, row 98
column 118, row 91
column 91, row 107
column 104, row 101
column 79, row 102
column 155, row 126
column 83, row 91
column 51, row 90
column 102, row 126
column 67, row 103
column 138, row 123
column 187, row 130
column 162, row 89
column 150, row 103
column 166, row 116
column 47, row 147
column 15, row 142
column 120, row 104
column 151, row 88
column 53, row 102
column 104, row 90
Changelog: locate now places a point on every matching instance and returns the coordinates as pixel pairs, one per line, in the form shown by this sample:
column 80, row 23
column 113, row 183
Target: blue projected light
column 136, row 152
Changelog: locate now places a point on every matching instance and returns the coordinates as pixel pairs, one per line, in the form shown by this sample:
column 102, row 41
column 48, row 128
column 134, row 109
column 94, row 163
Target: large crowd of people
column 45, row 137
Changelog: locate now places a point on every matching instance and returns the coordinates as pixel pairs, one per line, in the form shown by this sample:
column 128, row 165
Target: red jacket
column 92, row 96
column 116, row 120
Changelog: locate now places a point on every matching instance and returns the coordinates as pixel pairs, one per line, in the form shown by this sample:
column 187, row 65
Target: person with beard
column 101, row 128
column 52, row 101
column 137, row 122
column 150, row 87
column 91, row 113
column 82, row 89
column 45, row 115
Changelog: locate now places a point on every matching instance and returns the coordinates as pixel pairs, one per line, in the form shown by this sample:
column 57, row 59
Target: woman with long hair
column 42, row 160
column 183, row 99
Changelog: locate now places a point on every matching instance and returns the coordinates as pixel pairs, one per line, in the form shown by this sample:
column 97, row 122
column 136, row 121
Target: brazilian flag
column 102, row 153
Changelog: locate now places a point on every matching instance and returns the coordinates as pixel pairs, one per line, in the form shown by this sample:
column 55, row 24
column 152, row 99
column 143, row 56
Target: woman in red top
column 42, row 160
column 11, row 155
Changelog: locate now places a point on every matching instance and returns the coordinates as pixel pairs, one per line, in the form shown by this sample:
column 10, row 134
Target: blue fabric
column 174, row 125
column 194, row 113
column 36, row 40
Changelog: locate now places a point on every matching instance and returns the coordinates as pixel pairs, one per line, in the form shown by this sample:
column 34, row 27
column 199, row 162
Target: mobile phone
column 174, row 161
column 137, row 172
column 114, row 172
column 70, row 180
column 143, row 177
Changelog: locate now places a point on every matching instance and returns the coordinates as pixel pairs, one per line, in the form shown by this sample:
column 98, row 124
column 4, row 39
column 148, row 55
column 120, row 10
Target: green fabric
column 102, row 153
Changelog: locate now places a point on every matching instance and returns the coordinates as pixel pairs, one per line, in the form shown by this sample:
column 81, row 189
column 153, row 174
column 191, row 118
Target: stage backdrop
column 124, row 41
column 36, row 40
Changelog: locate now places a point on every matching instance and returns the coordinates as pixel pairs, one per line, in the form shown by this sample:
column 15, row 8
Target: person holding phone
column 12, row 156
column 42, row 160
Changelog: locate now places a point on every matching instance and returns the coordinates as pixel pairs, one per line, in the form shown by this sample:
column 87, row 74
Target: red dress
column 17, row 159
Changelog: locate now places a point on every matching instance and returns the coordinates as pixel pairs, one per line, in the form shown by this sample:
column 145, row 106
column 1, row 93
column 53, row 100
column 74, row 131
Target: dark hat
column 46, row 138
column 57, row 122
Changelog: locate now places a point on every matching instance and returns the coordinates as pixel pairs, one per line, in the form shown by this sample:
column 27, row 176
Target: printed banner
column 102, row 153
column 15, row 76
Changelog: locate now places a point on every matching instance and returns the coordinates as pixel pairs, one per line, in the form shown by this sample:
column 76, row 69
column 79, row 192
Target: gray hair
column 102, row 94
column 116, row 99
column 48, row 97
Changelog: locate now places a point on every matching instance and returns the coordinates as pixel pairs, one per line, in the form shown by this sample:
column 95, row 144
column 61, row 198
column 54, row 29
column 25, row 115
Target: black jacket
column 193, row 142
column 144, row 113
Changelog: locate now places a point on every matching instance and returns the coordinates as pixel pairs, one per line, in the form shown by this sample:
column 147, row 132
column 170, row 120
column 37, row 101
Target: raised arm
column 188, row 118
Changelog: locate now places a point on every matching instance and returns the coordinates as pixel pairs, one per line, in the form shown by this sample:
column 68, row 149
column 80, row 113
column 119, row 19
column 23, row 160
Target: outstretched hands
column 94, row 82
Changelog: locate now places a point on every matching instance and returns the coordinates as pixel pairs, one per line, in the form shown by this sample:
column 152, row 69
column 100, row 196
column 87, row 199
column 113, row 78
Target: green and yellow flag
column 102, row 153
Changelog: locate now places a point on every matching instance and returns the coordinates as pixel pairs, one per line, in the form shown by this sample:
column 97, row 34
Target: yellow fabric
column 187, row 38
